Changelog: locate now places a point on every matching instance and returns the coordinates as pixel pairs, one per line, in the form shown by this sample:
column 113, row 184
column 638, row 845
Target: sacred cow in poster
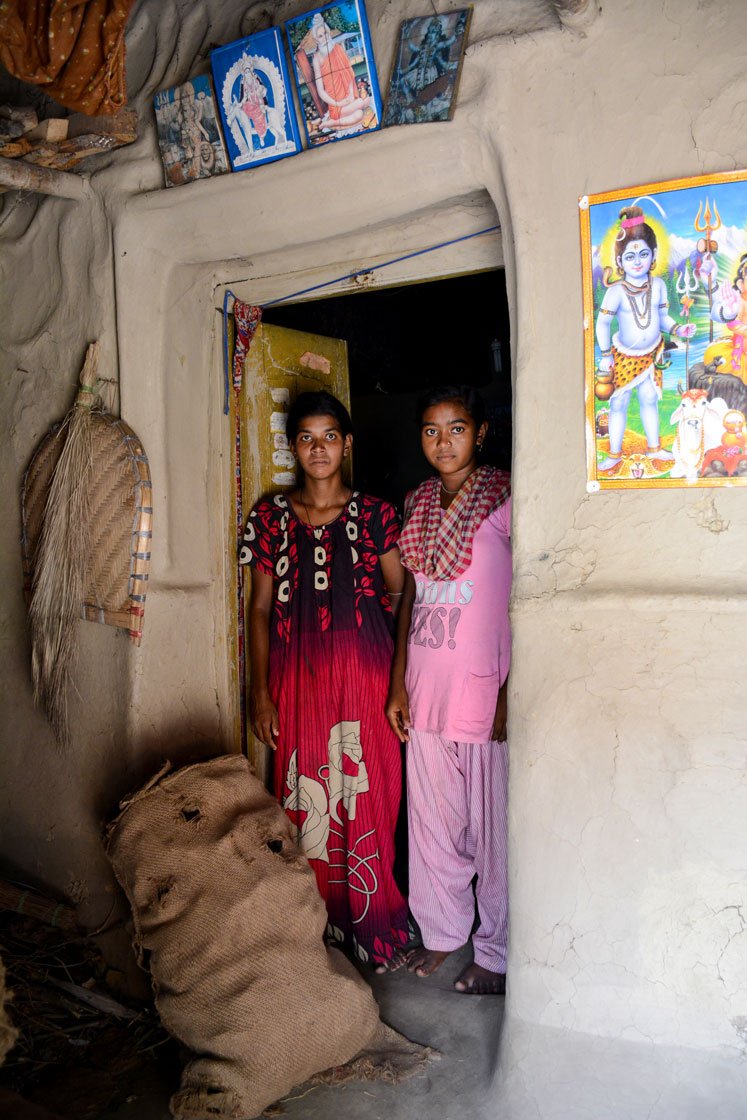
column 665, row 331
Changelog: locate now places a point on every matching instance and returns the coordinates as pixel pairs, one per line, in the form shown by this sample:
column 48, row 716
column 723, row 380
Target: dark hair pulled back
column 319, row 403
column 468, row 397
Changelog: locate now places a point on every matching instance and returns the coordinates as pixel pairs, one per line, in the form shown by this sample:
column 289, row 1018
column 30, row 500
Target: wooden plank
column 52, row 129
column 40, row 155
column 22, row 114
column 122, row 125
column 100, row 1000
column 15, row 148
column 10, row 130
column 21, row 176
column 63, row 155
column 68, row 153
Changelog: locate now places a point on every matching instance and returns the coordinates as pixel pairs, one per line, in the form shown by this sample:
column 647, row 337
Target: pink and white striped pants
column 457, row 797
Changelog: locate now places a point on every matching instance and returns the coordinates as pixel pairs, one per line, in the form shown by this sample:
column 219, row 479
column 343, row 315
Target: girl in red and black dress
column 325, row 571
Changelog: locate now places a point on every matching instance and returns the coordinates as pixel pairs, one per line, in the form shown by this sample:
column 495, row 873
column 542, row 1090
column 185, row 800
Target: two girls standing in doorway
column 326, row 570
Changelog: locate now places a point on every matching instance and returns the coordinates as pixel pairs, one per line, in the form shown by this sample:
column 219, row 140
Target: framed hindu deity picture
column 427, row 68
column 665, row 333
column 188, row 132
column 335, row 73
column 255, row 100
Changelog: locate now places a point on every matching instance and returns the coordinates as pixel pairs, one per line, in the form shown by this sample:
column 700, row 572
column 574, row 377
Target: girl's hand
column 264, row 719
column 498, row 734
column 398, row 711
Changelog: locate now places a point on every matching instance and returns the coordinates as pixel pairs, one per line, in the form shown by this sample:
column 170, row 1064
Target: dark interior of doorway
column 401, row 341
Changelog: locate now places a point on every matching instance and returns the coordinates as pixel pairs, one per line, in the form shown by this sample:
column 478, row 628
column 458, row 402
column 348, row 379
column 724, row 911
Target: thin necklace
column 306, row 509
column 446, row 489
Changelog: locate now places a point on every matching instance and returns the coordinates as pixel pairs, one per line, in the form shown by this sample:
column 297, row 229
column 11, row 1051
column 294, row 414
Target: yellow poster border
column 593, row 482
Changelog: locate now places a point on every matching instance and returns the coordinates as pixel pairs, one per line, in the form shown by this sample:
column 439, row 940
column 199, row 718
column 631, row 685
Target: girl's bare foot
column 479, row 981
column 396, row 961
column 424, row 961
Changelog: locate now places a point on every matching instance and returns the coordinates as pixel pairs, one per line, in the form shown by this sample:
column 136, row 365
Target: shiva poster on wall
column 427, row 67
column 335, row 72
column 255, row 99
column 665, row 333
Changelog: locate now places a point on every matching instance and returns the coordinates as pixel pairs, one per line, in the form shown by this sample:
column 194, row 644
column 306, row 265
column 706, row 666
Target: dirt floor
column 86, row 1052
column 464, row 1029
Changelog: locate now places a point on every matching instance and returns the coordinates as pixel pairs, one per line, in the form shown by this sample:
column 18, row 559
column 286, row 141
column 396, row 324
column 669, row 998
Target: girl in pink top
column 447, row 698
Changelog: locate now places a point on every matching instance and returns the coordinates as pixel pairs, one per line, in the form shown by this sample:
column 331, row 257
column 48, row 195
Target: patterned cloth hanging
column 73, row 49
column 246, row 318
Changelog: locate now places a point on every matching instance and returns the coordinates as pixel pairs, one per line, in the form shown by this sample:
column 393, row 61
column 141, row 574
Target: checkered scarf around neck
column 439, row 543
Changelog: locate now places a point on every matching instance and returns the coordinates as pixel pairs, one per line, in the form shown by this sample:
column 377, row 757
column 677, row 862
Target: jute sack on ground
column 229, row 910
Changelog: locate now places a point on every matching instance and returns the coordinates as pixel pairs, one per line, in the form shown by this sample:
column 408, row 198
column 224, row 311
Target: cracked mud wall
column 628, row 993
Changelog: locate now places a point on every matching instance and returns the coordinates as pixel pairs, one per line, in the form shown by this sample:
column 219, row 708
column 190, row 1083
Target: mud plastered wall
column 627, row 728
column 627, row 975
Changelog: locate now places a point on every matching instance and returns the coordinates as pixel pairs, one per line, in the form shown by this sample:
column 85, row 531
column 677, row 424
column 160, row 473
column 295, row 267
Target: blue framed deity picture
column 665, row 332
column 335, row 72
column 255, row 100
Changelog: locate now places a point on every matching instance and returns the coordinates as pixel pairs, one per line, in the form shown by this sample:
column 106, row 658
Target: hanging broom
column 61, row 556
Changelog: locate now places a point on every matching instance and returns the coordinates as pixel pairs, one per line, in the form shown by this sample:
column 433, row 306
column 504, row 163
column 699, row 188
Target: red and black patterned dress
column 337, row 763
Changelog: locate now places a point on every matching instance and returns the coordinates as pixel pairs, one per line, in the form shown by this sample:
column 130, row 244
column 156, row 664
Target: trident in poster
column 686, row 284
column 707, row 223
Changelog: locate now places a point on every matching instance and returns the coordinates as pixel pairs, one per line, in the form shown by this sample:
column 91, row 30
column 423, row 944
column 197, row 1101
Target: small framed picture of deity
column 335, row 73
column 188, row 132
column 255, row 100
column 427, row 68
column 665, row 333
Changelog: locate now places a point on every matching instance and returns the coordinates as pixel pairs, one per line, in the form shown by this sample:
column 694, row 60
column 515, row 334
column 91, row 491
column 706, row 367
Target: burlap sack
column 229, row 909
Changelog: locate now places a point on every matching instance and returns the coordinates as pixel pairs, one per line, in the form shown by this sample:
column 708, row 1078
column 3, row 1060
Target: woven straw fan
column 86, row 508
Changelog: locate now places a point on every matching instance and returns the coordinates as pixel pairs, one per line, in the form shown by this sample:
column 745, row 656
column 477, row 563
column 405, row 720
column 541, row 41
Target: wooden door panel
column 281, row 363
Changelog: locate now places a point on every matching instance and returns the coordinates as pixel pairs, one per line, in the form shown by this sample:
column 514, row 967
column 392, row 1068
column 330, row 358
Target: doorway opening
column 402, row 340
column 379, row 349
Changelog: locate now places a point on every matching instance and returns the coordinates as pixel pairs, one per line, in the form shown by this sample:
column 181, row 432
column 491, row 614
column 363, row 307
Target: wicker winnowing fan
column 86, row 505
